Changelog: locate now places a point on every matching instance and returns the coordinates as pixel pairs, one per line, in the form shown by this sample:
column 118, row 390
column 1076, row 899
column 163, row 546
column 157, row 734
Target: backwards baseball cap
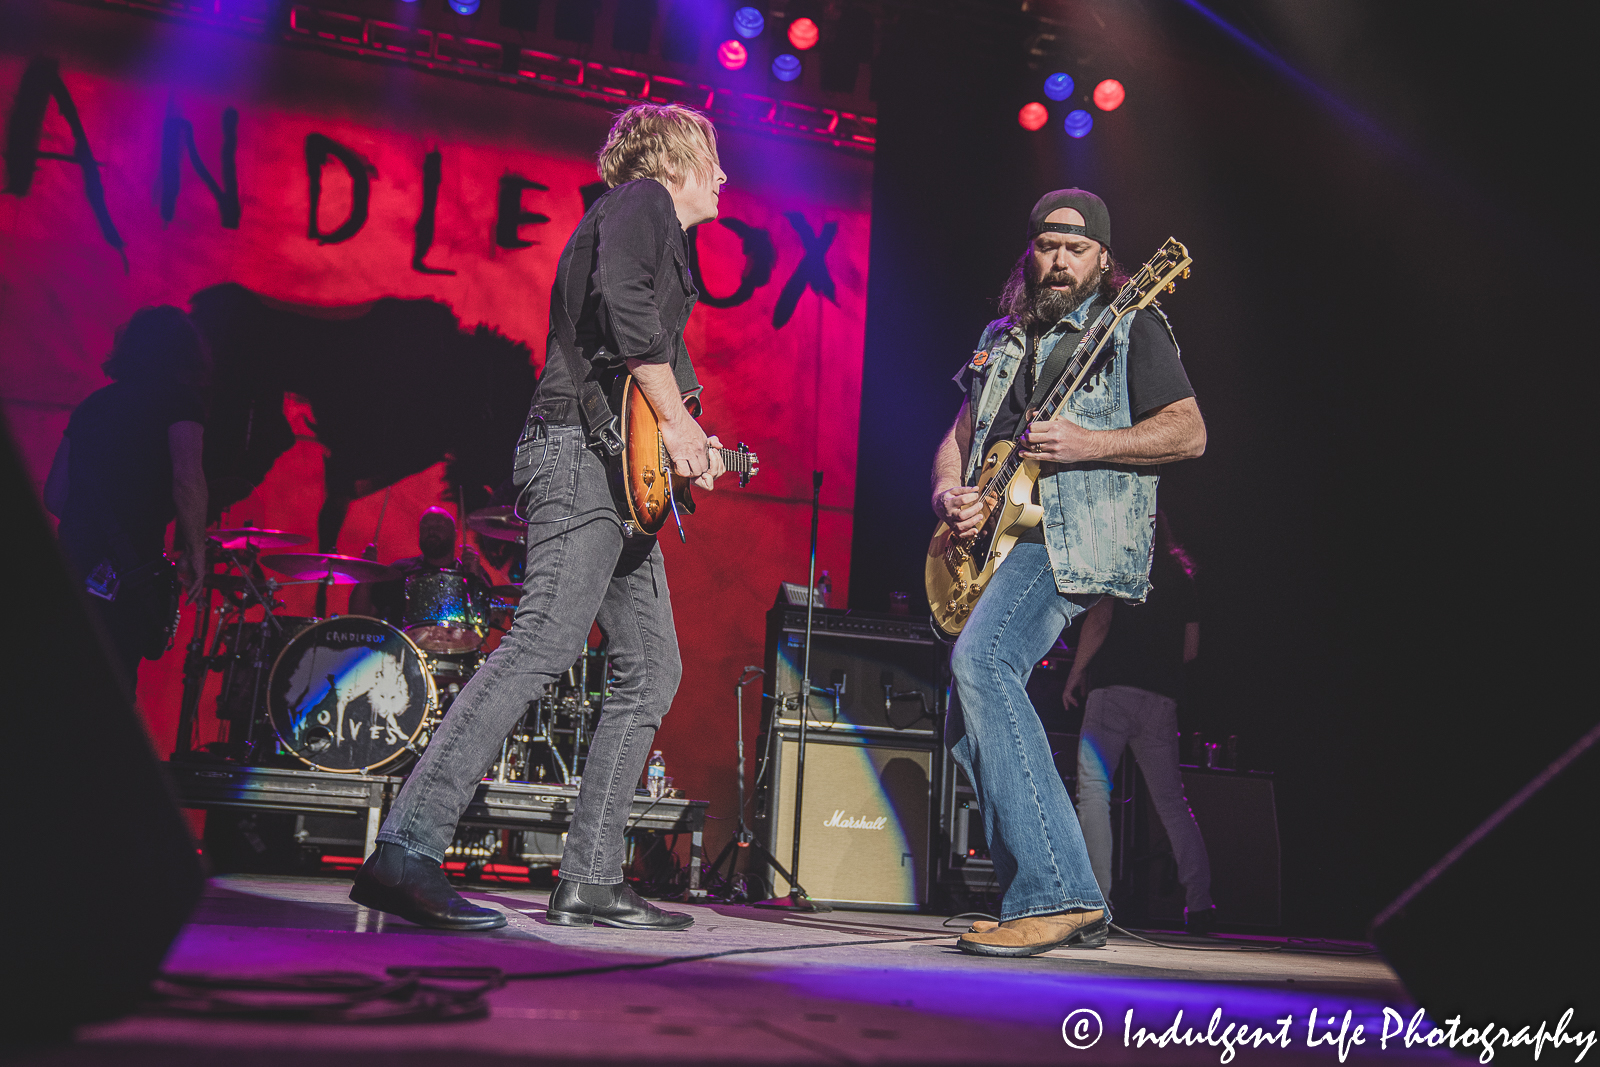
column 1096, row 217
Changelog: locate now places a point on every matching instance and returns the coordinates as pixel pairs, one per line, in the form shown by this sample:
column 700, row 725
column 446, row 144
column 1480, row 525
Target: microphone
column 838, row 680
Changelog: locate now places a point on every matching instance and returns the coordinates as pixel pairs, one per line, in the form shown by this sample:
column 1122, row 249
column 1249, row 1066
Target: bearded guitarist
column 1097, row 491
column 621, row 299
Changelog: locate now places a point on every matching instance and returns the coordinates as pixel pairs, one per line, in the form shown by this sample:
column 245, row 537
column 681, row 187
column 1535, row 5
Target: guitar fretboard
column 736, row 461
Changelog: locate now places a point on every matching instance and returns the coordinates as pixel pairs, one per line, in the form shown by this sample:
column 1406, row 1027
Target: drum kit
column 352, row 694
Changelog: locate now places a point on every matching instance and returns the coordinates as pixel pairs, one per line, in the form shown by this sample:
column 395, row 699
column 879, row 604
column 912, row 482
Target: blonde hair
column 667, row 142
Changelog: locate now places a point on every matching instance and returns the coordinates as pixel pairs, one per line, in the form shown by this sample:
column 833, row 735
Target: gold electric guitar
column 958, row 572
column 649, row 490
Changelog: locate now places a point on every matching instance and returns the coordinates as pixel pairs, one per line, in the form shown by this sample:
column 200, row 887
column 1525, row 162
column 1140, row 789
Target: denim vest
column 1099, row 519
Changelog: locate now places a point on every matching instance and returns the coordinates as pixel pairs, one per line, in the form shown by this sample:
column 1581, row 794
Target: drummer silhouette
column 436, row 538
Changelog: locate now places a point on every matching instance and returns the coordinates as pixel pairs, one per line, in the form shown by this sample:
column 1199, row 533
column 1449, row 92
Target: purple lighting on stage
column 748, row 22
column 464, row 7
column 786, row 68
column 1058, row 86
column 1079, row 123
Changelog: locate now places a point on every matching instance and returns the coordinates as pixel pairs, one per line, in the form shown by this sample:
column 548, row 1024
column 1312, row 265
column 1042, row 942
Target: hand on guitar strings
column 961, row 508
column 687, row 445
column 1059, row 441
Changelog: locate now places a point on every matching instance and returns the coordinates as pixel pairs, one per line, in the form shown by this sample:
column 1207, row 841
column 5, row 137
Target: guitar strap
column 1060, row 355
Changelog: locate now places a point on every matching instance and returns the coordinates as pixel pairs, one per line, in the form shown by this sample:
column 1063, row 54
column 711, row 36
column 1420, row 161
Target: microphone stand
column 798, row 899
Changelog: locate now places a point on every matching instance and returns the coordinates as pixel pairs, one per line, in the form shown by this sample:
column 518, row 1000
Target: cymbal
column 314, row 566
column 506, row 592
column 500, row 523
column 251, row 537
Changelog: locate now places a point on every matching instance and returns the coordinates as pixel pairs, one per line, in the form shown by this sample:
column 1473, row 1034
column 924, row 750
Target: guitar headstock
column 750, row 471
column 1162, row 271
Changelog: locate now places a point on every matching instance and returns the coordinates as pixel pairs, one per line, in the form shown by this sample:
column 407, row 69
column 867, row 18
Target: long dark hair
column 159, row 344
column 1014, row 301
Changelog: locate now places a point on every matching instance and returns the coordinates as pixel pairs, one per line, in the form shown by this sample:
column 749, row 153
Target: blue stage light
column 748, row 22
column 786, row 68
column 1079, row 123
column 464, row 7
column 1058, row 86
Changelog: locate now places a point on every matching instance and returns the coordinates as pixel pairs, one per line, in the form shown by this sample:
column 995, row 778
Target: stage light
column 1032, row 116
column 464, row 7
column 1109, row 95
column 748, row 22
column 786, row 68
column 1079, row 123
column 732, row 54
column 1058, row 86
column 803, row 34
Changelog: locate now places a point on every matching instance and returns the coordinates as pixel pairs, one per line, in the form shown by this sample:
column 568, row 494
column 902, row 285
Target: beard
column 435, row 546
column 1047, row 306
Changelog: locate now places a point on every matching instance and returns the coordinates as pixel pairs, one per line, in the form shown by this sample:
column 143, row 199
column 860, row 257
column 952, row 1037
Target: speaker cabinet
column 1238, row 818
column 865, row 824
column 1529, row 860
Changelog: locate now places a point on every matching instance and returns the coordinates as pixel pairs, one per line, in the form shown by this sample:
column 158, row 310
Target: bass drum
column 351, row 695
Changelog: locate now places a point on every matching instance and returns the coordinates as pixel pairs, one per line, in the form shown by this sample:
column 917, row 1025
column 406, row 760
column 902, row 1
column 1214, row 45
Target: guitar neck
column 736, row 461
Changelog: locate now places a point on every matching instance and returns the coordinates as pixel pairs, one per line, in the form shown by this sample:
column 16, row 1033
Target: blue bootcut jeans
column 580, row 569
column 995, row 735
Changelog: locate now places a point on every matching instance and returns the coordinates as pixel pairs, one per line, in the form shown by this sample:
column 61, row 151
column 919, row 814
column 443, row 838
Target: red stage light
column 733, row 54
column 803, row 34
column 1033, row 116
column 1109, row 94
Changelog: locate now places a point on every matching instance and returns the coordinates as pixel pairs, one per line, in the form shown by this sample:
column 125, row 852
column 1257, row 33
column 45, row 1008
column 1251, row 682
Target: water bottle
column 656, row 775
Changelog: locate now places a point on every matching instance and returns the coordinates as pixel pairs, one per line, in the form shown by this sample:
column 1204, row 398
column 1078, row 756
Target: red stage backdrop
column 83, row 245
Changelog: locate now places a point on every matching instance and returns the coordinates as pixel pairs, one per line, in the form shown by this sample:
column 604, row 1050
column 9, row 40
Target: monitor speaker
column 1525, row 872
column 864, row 839
column 80, row 948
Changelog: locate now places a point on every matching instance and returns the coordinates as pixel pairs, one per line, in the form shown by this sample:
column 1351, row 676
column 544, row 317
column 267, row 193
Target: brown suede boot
column 980, row 925
column 1038, row 933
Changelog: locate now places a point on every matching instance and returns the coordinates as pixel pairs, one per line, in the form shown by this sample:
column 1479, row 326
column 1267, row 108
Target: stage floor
column 836, row 991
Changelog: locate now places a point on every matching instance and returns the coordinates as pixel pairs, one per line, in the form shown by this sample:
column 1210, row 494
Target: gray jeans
column 580, row 570
column 1119, row 717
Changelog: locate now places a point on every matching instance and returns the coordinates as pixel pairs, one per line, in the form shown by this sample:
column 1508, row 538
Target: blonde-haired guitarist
column 1090, row 537
column 621, row 299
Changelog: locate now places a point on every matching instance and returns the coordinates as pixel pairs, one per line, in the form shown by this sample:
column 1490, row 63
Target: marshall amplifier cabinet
column 873, row 755
column 864, row 838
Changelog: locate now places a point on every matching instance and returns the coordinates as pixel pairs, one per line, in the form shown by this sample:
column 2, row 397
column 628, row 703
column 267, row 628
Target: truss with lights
column 507, row 65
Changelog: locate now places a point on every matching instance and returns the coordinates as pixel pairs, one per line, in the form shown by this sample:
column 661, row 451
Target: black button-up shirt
column 622, row 291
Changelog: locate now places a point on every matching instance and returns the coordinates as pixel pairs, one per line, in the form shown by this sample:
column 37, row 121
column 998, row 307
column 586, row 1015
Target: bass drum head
column 349, row 695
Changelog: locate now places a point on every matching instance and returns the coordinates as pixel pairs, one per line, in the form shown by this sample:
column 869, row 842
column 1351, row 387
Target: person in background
column 1131, row 659
column 436, row 539
column 127, row 466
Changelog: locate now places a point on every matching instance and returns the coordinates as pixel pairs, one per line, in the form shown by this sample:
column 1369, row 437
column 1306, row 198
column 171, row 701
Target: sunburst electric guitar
column 958, row 572
column 648, row 487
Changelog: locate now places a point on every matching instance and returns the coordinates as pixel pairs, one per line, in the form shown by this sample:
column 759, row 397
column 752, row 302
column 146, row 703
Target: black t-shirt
column 1155, row 378
column 119, row 463
column 1144, row 647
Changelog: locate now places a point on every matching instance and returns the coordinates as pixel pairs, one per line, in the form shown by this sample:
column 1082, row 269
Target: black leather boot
column 577, row 904
column 412, row 886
